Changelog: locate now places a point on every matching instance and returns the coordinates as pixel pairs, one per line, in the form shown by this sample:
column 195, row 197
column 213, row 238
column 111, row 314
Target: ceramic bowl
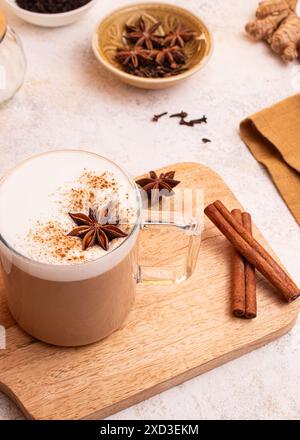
column 109, row 35
column 49, row 20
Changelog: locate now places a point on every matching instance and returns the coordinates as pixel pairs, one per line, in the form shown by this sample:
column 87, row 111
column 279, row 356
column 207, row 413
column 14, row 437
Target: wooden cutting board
column 172, row 334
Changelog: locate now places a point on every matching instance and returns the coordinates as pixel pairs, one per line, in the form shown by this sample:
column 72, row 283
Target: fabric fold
column 273, row 137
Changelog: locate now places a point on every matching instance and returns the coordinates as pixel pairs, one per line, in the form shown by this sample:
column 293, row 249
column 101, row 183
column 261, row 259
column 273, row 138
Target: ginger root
column 277, row 23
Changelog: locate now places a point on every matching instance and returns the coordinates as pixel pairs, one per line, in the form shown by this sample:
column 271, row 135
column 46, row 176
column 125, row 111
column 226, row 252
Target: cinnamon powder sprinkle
column 95, row 181
column 77, row 197
column 53, row 241
column 84, row 196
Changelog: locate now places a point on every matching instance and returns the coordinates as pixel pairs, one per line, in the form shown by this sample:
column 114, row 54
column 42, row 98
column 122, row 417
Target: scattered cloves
column 182, row 116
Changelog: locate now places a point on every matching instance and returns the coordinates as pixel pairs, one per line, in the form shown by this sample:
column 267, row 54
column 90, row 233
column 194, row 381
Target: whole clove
column 181, row 115
column 202, row 120
column 205, row 140
column 157, row 117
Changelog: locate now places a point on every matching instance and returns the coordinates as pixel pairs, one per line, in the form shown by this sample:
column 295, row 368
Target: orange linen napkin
column 273, row 137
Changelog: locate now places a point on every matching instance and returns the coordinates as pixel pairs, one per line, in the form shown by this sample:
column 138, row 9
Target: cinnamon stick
column 250, row 282
column 254, row 244
column 252, row 250
column 238, row 299
column 243, row 276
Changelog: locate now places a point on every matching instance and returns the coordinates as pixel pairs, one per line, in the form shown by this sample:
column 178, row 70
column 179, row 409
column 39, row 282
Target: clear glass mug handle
column 164, row 275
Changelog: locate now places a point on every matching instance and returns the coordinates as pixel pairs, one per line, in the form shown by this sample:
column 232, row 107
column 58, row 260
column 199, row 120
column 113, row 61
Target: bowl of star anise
column 152, row 45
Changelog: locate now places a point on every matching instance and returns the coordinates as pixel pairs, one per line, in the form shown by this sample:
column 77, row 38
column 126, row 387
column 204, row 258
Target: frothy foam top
column 37, row 196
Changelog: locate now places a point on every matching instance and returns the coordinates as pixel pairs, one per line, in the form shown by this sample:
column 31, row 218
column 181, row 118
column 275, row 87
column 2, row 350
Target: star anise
column 143, row 35
column 179, row 37
column 150, row 55
column 165, row 181
column 171, row 56
column 133, row 56
column 95, row 230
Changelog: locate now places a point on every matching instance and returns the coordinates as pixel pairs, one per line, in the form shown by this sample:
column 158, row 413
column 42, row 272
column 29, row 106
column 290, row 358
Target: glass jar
column 12, row 61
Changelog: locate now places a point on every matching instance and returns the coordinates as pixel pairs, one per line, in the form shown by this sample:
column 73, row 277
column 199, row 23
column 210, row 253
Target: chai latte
column 57, row 291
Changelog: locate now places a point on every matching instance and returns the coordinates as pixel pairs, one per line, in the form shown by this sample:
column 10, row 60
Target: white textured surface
column 69, row 101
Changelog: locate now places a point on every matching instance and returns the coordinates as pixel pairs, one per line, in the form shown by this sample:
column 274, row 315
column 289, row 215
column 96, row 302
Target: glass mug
column 77, row 304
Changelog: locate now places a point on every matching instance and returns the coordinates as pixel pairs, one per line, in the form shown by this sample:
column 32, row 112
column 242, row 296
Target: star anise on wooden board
column 95, row 229
column 165, row 181
column 179, row 37
column 143, row 35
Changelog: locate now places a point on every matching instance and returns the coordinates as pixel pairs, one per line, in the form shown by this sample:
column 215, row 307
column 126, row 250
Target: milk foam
column 41, row 191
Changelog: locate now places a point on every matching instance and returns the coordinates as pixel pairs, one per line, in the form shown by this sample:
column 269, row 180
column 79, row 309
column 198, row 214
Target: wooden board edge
column 9, row 393
column 164, row 386
column 190, row 374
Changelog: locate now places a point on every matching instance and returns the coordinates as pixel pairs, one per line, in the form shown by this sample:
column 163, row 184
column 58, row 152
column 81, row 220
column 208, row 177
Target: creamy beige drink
column 58, row 290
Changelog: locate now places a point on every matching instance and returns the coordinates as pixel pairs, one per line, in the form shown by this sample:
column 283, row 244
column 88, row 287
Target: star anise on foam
column 143, row 35
column 171, row 56
column 165, row 181
column 95, row 229
column 179, row 37
column 133, row 56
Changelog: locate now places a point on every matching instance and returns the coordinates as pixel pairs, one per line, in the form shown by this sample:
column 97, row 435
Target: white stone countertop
column 69, row 101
